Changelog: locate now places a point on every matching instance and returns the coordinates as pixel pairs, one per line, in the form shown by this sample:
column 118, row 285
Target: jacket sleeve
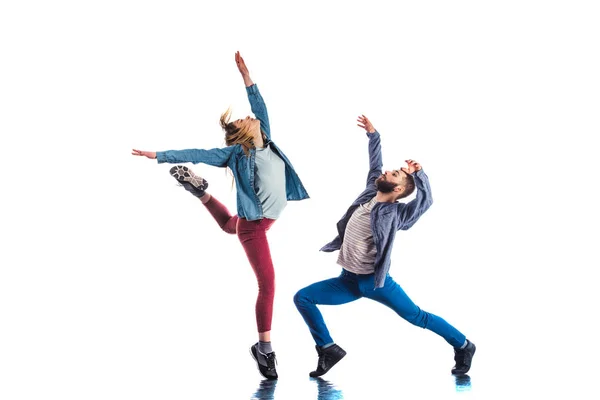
column 410, row 212
column 214, row 157
column 259, row 109
column 375, row 161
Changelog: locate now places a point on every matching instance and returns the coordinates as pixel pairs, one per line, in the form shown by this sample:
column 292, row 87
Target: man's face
column 389, row 180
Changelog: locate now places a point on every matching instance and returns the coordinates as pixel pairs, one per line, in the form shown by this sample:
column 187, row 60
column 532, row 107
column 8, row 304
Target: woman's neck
column 259, row 143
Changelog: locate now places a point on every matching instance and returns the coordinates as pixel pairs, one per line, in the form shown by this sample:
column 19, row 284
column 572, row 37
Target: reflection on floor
column 328, row 391
column 463, row 383
column 325, row 390
column 265, row 391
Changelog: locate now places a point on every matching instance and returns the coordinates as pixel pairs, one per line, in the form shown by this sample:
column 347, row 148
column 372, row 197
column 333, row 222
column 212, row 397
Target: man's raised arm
column 412, row 211
column 375, row 161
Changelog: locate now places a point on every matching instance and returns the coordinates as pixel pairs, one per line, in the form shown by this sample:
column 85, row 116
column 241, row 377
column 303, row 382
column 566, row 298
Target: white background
column 115, row 283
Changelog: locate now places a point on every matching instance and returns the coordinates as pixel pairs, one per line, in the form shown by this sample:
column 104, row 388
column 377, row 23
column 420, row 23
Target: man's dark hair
column 409, row 186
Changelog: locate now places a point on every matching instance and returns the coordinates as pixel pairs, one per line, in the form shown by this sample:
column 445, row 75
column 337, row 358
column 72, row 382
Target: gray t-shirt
column 358, row 250
column 269, row 182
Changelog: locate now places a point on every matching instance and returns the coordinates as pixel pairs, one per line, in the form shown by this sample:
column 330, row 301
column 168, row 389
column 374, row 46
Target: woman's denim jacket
column 242, row 165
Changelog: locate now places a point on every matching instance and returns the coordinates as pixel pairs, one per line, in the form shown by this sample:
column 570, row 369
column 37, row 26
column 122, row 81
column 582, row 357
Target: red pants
column 253, row 236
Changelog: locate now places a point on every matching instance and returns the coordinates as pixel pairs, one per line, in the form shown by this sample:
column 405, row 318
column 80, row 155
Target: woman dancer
column 265, row 181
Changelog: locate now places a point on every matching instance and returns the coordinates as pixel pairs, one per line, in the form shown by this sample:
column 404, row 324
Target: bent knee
column 298, row 297
column 301, row 297
column 227, row 228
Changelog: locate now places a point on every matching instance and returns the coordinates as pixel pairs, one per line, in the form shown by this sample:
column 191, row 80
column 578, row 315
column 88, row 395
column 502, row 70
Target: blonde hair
column 236, row 135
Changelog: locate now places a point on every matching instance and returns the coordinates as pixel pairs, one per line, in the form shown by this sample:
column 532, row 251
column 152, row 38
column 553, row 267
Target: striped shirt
column 358, row 250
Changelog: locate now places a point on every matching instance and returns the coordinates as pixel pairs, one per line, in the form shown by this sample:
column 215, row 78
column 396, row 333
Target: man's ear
column 399, row 189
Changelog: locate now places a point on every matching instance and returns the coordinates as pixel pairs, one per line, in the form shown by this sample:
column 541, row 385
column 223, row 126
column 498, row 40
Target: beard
column 384, row 186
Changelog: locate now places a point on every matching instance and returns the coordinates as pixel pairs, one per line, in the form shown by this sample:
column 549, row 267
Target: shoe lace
column 270, row 358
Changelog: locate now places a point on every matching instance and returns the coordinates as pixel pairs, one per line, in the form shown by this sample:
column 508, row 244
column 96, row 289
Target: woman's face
column 249, row 123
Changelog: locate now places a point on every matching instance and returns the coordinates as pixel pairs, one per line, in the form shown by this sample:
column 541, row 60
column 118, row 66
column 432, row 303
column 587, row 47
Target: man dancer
column 366, row 235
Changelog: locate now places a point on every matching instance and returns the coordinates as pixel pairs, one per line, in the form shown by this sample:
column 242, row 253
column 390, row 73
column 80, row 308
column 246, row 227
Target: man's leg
column 332, row 291
column 392, row 295
column 340, row 290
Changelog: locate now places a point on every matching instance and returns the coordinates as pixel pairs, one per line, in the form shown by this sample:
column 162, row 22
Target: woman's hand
column 149, row 154
column 243, row 69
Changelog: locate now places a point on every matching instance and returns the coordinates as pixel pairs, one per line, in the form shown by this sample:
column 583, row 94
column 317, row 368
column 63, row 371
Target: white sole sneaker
column 184, row 174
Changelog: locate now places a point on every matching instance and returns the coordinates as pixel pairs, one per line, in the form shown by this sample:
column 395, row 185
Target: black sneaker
column 327, row 359
column 266, row 362
column 463, row 358
column 191, row 182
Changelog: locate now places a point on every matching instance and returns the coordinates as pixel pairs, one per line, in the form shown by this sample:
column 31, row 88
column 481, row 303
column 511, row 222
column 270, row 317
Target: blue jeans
column 349, row 287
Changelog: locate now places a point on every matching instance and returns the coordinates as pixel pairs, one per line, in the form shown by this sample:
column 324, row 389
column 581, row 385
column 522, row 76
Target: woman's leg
column 220, row 213
column 253, row 237
column 197, row 186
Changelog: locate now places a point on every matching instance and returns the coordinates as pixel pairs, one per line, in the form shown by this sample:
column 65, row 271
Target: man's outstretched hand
column 413, row 166
column 364, row 123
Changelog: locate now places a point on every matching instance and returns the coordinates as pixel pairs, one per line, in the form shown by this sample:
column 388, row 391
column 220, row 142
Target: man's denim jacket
column 386, row 218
